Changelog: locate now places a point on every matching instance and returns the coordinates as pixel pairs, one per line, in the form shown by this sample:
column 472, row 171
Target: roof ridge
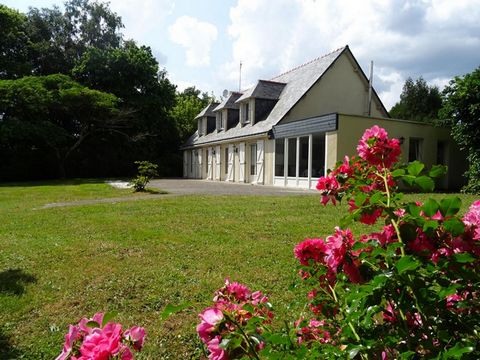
column 310, row 61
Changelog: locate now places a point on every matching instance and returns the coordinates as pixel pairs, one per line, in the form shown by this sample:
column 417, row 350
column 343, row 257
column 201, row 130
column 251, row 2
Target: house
column 287, row 131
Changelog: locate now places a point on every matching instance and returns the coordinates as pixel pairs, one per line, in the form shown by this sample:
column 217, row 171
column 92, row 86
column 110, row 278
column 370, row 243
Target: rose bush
column 406, row 291
column 100, row 339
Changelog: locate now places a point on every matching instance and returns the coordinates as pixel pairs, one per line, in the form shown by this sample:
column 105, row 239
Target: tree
column 461, row 112
column 56, row 113
column 188, row 104
column 13, row 44
column 58, row 40
column 418, row 102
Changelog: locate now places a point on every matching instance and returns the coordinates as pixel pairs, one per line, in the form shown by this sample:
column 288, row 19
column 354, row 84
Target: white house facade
column 289, row 130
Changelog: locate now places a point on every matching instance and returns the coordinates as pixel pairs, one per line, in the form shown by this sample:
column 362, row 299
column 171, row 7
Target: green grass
column 60, row 264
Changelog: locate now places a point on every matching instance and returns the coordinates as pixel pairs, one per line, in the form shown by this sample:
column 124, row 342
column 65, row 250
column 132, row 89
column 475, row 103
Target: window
column 442, row 153
column 415, row 151
column 253, row 159
column 220, row 119
column 279, row 157
column 303, row 158
column 226, row 160
column 318, row 155
column 200, row 132
column 245, row 113
column 292, row 157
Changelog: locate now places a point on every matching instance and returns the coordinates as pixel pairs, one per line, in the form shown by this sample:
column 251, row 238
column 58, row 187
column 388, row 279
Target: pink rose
column 209, row 319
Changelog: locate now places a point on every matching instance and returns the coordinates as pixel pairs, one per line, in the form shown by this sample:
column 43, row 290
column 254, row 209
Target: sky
column 202, row 43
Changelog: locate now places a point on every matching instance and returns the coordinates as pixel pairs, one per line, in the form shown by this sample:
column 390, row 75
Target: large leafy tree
column 14, row 60
column 189, row 103
column 131, row 72
column 461, row 112
column 55, row 114
column 418, row 102
column 59, row 39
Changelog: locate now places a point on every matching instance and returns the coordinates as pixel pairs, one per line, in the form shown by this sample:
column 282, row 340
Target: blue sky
column 202, row 42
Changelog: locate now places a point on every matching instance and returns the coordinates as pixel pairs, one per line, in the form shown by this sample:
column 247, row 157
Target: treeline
column 77, row 99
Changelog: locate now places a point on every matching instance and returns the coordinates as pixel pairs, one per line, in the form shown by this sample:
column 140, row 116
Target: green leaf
column 464, row 258
column 444, row 292
column 92, row 324
column 413, row 209
column 457, row 351
column 108, row 316
column 173, row 309
column 450, row 206
column 455, row 226
column 360, row 199
column 376, row 198
column 415, row 168
column 425, row 183
column 429, row 226
column 430, row 207
column 398, row 172
column 437, row 170
column 409, row 180
column 407, row 263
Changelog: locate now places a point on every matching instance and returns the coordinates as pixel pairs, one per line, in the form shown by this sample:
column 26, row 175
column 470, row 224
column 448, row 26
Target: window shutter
column 230, row 163
column 217, row 163
column 185, row 164
column 210, row 164
column 260, row 161
column 241, row 157
column 200, row 163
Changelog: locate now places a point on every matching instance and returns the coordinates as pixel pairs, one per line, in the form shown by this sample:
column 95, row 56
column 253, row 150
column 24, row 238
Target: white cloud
column 436, row 39
column 197, row 37
column 141, row 18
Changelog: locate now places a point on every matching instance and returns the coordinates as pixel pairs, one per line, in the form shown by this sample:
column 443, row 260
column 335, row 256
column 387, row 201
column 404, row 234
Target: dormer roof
column 264, row 89
column 230, row 101
column 207, row 110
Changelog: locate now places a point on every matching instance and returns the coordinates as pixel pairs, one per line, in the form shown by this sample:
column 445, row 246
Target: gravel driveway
column 208, row 187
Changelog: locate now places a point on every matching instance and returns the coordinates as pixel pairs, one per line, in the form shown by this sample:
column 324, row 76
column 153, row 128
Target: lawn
column 60, row 264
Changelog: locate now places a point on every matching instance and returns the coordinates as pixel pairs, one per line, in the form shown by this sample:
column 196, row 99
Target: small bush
column 146, row 171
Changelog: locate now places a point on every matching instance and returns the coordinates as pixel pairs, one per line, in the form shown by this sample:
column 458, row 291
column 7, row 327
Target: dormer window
column 245, row 114
column 220, row 121
column 200, row 127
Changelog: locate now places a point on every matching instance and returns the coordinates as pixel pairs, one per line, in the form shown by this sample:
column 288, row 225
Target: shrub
column 146, row 171
column 407, row 291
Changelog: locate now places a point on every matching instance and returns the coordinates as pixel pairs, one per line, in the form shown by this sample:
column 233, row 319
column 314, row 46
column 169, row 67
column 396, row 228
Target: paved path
column 208, row 187
column 183, row 187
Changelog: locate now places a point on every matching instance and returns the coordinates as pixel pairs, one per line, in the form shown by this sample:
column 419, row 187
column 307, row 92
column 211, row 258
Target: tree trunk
column 62, row 174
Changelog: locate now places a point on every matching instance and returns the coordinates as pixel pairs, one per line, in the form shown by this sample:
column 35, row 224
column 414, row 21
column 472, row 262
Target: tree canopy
column 189, row 103
column 418, row 102
column 461, row 112
column 55, row 114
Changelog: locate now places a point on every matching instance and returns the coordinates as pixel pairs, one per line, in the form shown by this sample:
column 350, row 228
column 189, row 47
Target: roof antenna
column 370, row 88
column 240, row 77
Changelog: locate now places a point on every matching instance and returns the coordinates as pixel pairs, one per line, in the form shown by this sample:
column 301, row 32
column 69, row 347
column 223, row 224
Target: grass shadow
column 52, row 182
column 7, row 351
column 13, row 281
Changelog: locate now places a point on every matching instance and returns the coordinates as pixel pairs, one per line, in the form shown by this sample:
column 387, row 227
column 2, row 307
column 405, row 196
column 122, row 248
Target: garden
column 397, row 279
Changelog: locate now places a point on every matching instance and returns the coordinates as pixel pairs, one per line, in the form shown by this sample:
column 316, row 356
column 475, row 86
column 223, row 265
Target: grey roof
column 229, row 102
column 207, row 110
column 264, row 89
column 298, row 81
